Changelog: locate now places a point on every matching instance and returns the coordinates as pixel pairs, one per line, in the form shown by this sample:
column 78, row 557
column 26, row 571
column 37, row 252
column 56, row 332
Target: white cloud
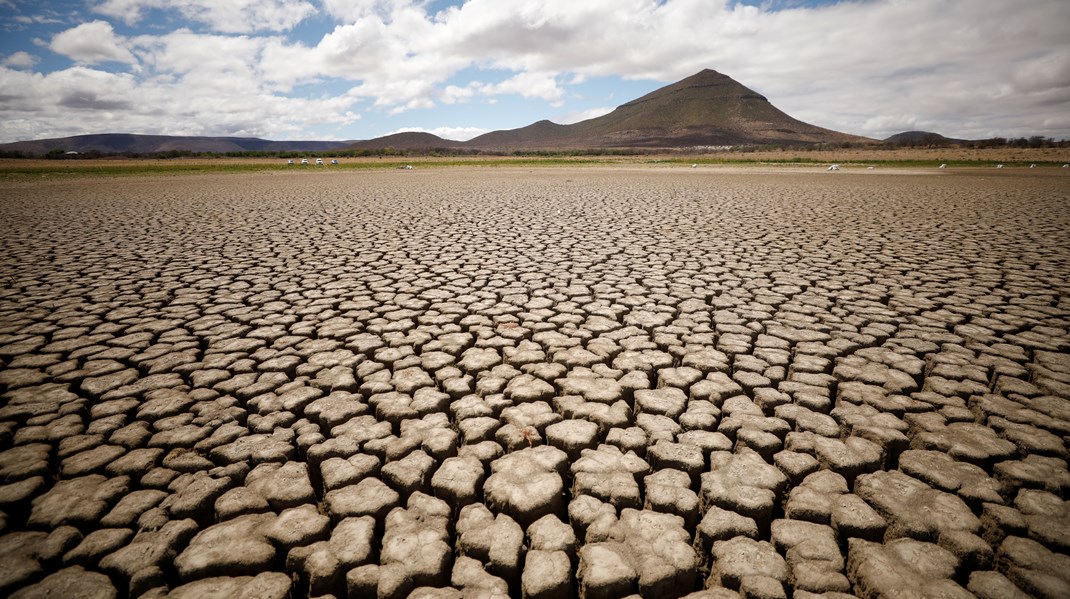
column 20, row 60
column 230, row 16
column 528, row 85
column 92, row 43
column 82, row 100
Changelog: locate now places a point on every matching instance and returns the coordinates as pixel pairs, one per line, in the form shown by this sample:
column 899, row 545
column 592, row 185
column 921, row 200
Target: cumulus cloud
column 231, row 16
column 92, row 43
column 529, row 85
column 20, row 60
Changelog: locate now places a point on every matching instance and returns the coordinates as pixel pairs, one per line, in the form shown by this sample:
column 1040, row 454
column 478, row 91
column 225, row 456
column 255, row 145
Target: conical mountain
column 707, row 108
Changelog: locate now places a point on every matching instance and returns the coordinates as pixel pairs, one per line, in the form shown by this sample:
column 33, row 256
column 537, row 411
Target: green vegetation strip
column 59, row 170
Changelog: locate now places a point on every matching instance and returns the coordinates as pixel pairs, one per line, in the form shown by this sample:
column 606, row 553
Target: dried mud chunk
column 468, row 575
column 97, row 544
column 369, row 497
column 527, row 484
column 458, row 481
column 547, row 575
column 24, row 461
column 850, row 457
column 70, row 582
column 549, row 533
column 605, row 571
column 1034, row 568
column 591, row 387
column 741, row 558
column 493, row 540
column 669, row 491
column 527, row 388
column 296, row 526
column 902, row 566
column 607, row 416
column 415, row 549
column 79, row 501
column 283, row 485
column 814, row 499
column 853, row 517
column 1035, row 471
column 680, row 456
column 660, row 551
column 722, row 525
column 993, row 585
column 666, row 401
column 914, row 509
column 743, row 483
column 796, row 466
column 572, row 436
column 341, row 472
column 197, row 499
column 410, row 474
column 352, row 541
column 234, row 547
column 1047, row 518
column 141, row 563
column 317, row 565
column 812, row 554
column 945, row 473
column 609, row 475
column 265, row 585
column 276, row 447
column 20, row 553
column 967, row 441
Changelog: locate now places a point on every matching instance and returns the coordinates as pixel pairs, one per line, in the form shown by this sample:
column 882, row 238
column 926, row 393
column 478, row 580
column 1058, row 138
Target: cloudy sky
column 357, row 69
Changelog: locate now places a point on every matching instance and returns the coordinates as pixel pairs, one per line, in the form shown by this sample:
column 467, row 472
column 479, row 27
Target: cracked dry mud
column 549, row 383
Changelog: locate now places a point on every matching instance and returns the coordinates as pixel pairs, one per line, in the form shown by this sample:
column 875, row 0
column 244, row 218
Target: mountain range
column 705, row 109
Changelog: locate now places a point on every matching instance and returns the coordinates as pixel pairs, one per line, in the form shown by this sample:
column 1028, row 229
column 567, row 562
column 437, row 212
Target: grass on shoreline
column 23, row 170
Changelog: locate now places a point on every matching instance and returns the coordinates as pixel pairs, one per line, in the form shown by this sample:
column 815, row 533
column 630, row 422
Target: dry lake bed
column 547, row 382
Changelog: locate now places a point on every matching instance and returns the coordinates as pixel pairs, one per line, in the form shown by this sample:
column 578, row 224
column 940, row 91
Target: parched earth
column 551, row 383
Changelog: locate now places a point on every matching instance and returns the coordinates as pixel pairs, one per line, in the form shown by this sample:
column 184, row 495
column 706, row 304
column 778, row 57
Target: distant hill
column 705, row 109
column 412, row 140
column 118, row 143
column 920, row 138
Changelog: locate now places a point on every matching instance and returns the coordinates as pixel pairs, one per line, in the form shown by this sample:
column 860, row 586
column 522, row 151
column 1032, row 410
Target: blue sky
column 357, row 69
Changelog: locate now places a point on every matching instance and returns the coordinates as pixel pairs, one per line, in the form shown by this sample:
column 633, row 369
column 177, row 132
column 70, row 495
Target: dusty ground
column 537, row 382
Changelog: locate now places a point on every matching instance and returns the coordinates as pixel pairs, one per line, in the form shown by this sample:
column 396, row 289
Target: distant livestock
column 943, row 166
column 1032, row 166
column 834, row 167
column 1066, row 166
column 999, row 166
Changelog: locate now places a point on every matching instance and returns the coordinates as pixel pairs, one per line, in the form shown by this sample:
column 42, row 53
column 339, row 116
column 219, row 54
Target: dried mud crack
column 546, row 384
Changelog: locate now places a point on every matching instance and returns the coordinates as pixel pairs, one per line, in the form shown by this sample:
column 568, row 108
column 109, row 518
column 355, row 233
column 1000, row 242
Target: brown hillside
column 411, row 140
column 705, row 109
